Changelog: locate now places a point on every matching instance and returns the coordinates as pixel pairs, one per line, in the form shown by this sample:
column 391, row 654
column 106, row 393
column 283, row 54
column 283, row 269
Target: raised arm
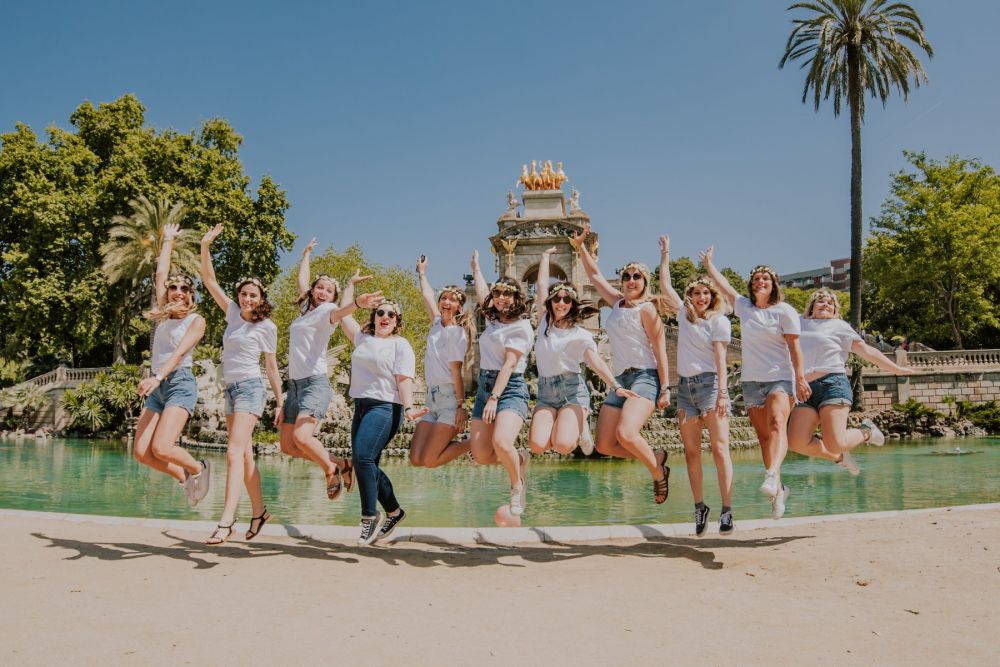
column 426, row 291
column 482, row 287
column 674, row 300
column 604, row 288
column 170, row 232
column 303, row 276
column 348, row 304
column 869, row 353
column 208, row 271
column 653, row 326
column 351, row 327
column 542, row 284
column 716, row 275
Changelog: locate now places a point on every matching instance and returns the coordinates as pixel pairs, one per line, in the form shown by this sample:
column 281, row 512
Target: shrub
column 918, row 415
column 983, row 415
column 108, row 402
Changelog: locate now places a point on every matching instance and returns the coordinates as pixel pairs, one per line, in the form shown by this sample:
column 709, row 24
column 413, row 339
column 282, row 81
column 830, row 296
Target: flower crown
column 762, row 268
column 179, row 279
column 451, row 289
column 326, row 276
column 707, row 282
column 398, row 307
column 639, row 266
column 504, row 287
column 562, row 287
column 252, row 281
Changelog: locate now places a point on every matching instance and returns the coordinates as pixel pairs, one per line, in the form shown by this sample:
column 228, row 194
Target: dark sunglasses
column 183, row 288
column 386, row 313
column 632, row 276
column 498, row 292
column 562, row 299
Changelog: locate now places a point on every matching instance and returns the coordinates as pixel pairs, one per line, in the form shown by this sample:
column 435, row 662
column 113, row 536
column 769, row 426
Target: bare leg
column 607, row 429
column 779, row 405
column 312, row 449
column 540, row 433
column 570, row 422
column 691, row 437
column 758, row 418
column 801, row 435
column 143, row 451
column 635, row 412
column 837, row 437
column 481, row 442
column 240, row 427
column 718, row 432
column 164, row 444
column 505, row 429
column 432, row 445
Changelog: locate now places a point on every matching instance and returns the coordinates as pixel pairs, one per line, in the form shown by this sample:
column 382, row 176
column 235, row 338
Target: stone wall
column 883, row 390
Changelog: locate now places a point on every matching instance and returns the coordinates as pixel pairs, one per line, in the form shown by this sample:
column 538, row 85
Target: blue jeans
column 309, row 396
column 643, row 381
column 513, row 398
column 374, row 425
column 245, row 396
column 832, row 389
column 558, row 391
column 755, row 393
column 179, row 389
column 697, row 394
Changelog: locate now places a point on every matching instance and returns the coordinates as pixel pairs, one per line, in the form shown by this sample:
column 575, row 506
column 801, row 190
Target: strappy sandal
column 348, row 475
column 661, row 487
column 334, row 484
column 215, row 540
column 264, row 517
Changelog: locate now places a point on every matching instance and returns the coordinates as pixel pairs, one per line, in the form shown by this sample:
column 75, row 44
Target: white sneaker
column 586, row 442
column 516, row 502
column 770, row 485
column 875, row 436
column 199, row 483
column 848, row 463
column 778, row 502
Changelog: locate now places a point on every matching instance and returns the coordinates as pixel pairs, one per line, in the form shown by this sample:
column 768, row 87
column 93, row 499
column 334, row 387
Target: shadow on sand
column 431, row 553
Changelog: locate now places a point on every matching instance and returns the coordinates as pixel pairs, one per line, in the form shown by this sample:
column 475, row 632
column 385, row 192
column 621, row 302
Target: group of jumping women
column 784, row 356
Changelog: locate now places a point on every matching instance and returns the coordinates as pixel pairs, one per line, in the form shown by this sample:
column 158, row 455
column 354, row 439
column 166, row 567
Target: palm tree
column 131, row 252
column 851, row 49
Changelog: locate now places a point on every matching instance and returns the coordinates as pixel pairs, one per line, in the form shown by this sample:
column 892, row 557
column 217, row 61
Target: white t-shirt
column 562, row 350
column 444, row 346
column 826, row 344
column 376, row 362
column 308, row 338
column 630, row 346
column 765, row 352
column 695, row 342
column 166, row 339
column 242, row 344
column 497, row 337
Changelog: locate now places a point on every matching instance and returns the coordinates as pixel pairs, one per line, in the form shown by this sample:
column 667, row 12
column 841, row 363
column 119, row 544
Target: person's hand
column 461, row 419
column 626, row 393
column 422, row 264
column 706, row 255
column 171, row 231
column 475, row 261
column 663, row 400
column 211, row 235
column 802, row 390
column 490, row 411
column 722, row 406
column 148, row 385
column 309, row 248
column 370, row 300
column 905, row 370
column 549, row 252
column 413, row 414
column 577, row 239
column 664, row 246
column 358, row 278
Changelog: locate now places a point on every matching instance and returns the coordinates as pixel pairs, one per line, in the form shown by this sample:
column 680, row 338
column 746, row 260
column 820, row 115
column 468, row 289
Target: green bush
column 106, row 403
column 918, row 415
column 983, row 415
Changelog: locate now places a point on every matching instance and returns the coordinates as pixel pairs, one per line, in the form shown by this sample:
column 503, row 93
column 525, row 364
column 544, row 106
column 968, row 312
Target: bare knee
column 482, row 457
column 692, row 453
column 720, row 451
column 415, row 459
column 564, row 444
column 625, row 434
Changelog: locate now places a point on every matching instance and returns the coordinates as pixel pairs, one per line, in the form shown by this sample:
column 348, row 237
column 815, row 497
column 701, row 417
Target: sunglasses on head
column 382, row 312
column 565, row 298
column 632, row 276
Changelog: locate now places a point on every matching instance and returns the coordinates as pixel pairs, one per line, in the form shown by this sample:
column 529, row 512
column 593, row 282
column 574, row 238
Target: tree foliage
column 59, row 196
column 934, row 255
column 106, row 403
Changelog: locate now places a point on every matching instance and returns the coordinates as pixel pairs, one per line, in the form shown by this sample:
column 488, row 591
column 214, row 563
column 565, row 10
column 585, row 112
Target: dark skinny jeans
column 374, row 425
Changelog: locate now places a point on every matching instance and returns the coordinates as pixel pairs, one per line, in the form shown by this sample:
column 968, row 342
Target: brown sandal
column 348, row 475
column 264, row 517
column 661, row 487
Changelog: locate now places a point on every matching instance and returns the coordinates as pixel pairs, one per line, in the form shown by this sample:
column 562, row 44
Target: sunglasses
column 566, row 298
column 386, row 313
column 501, row 291
column 632, row 276
column 182, row 288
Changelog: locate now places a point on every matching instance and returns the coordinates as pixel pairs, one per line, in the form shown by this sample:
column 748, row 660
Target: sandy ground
column 911, row 589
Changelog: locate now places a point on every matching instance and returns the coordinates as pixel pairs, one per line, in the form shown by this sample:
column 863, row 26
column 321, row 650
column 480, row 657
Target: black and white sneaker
column 391, row 521
column 701, row 519
column 726, row 523
column 369, row 529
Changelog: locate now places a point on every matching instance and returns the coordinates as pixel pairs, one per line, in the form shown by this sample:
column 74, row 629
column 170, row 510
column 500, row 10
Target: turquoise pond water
column 100, row 477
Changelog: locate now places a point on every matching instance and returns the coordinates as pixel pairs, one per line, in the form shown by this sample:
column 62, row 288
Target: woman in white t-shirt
column 249, row 333
column 560, row 421
column 772, row 371
column 639, row 361
column 501, row 406
column 703, row 333
column 171, row 390
column 309, row 392
column 826, row 341
column 382, row 370
column 433, row 442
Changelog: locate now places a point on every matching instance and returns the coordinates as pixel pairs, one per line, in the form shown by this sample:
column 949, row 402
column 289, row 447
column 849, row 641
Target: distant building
column 835, row 276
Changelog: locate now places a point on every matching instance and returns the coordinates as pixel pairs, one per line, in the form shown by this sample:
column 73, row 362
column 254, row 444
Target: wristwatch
column 615, row 387
column 159, row 377
column 494, row 396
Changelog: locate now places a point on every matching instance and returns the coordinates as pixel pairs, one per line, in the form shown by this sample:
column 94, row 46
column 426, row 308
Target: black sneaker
column 369, row 529
column 701, row 519
column 726, row 523
column 390, row 524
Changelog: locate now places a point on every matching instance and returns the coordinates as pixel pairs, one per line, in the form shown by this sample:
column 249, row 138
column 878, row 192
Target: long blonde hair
column 174, row 309
column 717, row 306
column 658, row 300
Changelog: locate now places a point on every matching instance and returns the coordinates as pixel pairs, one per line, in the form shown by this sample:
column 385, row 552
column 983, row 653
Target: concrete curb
column 490, row 535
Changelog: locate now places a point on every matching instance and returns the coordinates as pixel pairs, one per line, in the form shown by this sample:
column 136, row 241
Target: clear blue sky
column 402, row 125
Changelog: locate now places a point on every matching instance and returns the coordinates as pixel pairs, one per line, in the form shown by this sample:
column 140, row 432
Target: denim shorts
column 514, row 396
column 558, row 391
column 442, row 404
column 643, row 381
column 755, row 393
column 697, row 395
column 178, row 389
column 245, row 396
column 309, row 396
column 831, row 389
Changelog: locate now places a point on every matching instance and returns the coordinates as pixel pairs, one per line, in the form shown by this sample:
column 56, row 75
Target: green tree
column 130, row 255
column 852, row 49
column 23, row 402
column 934, row 256
column 395, row 282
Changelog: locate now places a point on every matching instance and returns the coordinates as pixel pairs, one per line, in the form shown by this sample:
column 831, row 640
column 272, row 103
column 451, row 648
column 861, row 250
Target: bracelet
column 356, row 302
column 494, row 396
column 664, row 390
column 615, row 387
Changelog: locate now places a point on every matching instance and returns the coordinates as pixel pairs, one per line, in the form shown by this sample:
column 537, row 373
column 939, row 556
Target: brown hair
column 716, row 306
column 262, row 310
column 776, row 296
column 579, row 309
column 369, row 327
column 305, row 302
column 518, row 310
column 821, row 292
column 464, row 317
